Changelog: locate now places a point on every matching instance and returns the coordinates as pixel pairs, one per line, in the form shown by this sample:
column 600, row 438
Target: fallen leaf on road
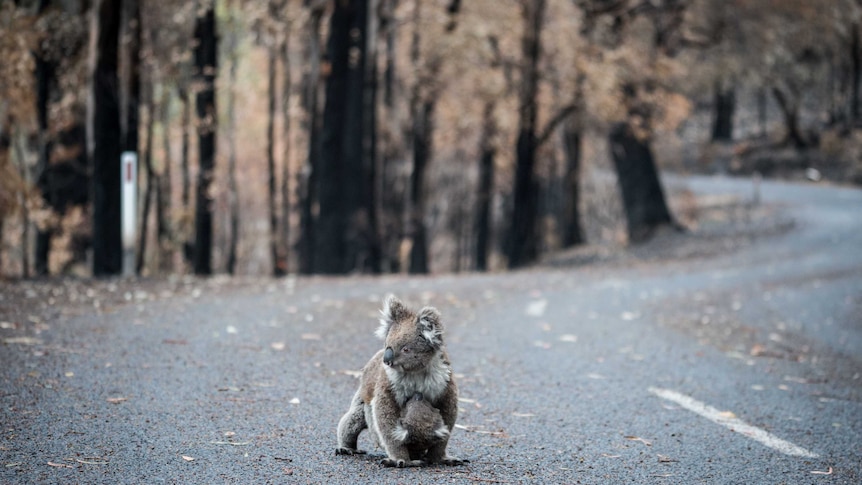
column 294, row 401
column 310, row 336
column 635, row 438
column 22, row 341
column 610, row 456
column 629, row 316
column 536, row 308
column 277, row 345
column 817, row 472
column 542, row 344
column 170, row 341
column 568, row 338
column 117, row 400
column 523, row 415
column 231, row 443
column 231, row 329
column 188, row 458
column 727, row 415
column 352, row 373
column 8, row 325
column 665, row 459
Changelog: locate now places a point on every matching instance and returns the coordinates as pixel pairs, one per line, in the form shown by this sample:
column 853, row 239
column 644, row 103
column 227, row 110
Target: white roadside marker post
column 129, row 174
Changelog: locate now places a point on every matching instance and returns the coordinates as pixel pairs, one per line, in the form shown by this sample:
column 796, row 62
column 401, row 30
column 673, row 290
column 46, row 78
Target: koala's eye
column 406, row 349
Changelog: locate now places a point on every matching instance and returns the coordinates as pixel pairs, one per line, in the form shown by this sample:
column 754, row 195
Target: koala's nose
column 388, row 356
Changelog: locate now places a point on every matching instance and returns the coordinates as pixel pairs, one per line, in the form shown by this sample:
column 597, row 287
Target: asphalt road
column 744, row 367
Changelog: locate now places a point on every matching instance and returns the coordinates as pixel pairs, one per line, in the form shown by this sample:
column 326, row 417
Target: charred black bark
column 205, row 64
column 523, row 246
column 856, row 71
column 44, row 72
column 725, row 105
column 642, row 194
column 330, row 251
column 572, row 233
column 270, row 165
column 790, row 110
column 104, row 132
column 423, row 130
column 310, row 175
column 488, row 152
column 345, row 237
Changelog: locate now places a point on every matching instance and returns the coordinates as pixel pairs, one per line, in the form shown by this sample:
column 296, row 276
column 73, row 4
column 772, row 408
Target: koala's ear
column 391, row 312
column 431, row 326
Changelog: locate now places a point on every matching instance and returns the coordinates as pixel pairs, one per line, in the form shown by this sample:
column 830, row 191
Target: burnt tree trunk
column 44, row 72
column 151, row 183
column 285, row 169
column 573, row 234
column 488, row 152
column 724, row 103
column 642, row 194
column 856, row 71
column 790, row 111
column 330, row 252
column 185, row 127
column 232, row 194
column 165, row 187
column 103, row 131
column 421, row 141
column 423, row 131
column 205, row 65
column 270, row 163
column 345, row 238
column 522, row 236
column 310, row 174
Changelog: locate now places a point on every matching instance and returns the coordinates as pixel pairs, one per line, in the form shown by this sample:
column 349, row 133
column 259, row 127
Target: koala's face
column 411, row 340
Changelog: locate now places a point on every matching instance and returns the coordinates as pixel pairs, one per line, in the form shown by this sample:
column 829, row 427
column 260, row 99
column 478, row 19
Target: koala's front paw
column 389, row 462
column 348, row 451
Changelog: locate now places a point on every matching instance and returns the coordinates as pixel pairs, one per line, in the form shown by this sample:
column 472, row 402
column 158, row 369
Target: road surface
column 743, row 367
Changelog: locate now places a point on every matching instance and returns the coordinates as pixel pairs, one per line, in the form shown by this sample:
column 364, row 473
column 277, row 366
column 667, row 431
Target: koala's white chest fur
column 430, row 381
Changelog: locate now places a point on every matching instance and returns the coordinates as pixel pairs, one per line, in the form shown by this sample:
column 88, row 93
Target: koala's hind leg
column 349, row 427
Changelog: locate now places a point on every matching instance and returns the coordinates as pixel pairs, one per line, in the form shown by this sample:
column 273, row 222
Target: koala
column 421, row 426
column 412, row 360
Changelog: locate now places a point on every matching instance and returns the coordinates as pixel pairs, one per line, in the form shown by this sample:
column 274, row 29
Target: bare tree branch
column 558, row 118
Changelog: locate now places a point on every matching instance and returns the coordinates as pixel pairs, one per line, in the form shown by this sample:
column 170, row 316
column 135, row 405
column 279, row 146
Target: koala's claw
column 348, row 451
column 451, row 461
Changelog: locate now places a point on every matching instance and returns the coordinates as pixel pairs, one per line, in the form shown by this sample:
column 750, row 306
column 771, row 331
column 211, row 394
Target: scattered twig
column 59, row 465
column 232, row 443
column 85, row 462
column 817, row 472
column 636, row 438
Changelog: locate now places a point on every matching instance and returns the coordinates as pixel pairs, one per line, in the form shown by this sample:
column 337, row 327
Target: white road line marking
column 732, row 423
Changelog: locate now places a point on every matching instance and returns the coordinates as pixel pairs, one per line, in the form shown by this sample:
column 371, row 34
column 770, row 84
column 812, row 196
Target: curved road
column 740, row 368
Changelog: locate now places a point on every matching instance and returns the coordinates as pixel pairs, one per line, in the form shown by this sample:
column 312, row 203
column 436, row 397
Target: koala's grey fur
column 421, row 426
column 412, row 361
